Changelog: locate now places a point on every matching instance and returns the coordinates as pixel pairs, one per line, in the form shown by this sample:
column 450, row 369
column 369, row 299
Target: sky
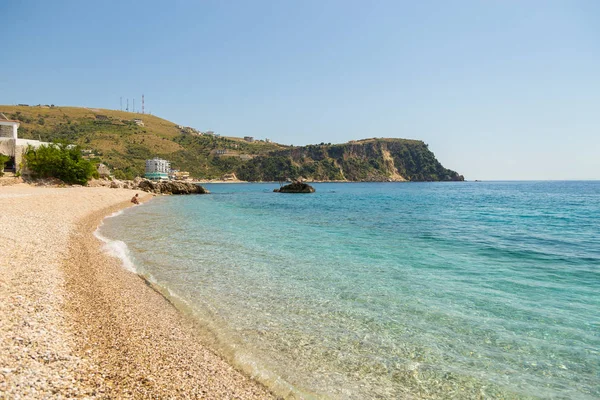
column 498, row 89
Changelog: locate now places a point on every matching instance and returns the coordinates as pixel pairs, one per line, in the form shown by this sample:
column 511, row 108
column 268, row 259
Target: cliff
column 365, row 160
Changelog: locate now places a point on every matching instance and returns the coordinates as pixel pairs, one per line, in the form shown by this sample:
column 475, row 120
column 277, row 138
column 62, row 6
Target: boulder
column 115, row 184
column 296, row 187
column 171, row 187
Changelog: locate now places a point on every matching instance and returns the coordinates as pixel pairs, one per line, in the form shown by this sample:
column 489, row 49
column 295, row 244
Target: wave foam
column 116, row 248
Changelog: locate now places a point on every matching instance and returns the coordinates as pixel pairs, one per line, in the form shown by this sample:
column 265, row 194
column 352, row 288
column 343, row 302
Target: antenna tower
column 127, row 109
column 142, row 104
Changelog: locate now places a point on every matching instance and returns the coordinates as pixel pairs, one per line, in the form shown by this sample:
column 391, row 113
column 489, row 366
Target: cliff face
column 365, row 160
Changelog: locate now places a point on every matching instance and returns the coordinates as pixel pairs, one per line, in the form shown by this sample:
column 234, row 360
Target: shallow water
column 387, row 290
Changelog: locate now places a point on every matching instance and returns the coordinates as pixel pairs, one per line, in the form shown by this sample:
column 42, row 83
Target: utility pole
column 142, row 104
column 127, row 109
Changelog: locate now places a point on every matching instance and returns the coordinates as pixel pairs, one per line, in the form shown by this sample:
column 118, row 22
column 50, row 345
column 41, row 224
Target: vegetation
column 113, row 138
column 365, row 160
column 59, row 161
column 3, row 160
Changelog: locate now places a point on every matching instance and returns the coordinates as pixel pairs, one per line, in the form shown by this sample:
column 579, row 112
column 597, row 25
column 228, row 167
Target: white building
column 11, row 145
column 157, row 169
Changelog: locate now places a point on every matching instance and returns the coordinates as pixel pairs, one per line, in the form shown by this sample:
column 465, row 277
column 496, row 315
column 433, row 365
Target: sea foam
column 116, row 248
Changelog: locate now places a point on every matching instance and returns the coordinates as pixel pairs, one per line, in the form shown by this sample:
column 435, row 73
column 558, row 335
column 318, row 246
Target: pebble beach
column 75, row 323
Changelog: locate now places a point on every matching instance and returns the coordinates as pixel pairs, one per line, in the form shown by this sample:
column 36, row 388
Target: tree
column 3, row 160
column 59, row 160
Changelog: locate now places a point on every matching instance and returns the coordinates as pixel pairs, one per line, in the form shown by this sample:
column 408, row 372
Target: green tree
column 3, row 160
column 59, row 160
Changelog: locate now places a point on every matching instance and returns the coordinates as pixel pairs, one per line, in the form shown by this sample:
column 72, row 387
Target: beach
column 75, row 323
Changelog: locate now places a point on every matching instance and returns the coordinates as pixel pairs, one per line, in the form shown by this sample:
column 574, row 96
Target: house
column 157, row 169
column 11, row 145
column 248, row 138
column 138, row 122
column 267, row 140
column 102, row 117
column 181, row 175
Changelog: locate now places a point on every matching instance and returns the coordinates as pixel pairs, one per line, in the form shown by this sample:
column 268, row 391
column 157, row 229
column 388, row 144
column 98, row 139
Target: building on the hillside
column 209, row 133
column 220, row 152
column 101, row 117
column 180, row 175
column 157, row 169
column 138, row 122
column 11, row 145
column 267, row 140
column 248, row 138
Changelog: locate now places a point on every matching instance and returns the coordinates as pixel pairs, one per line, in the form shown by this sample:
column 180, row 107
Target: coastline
column 75, row 323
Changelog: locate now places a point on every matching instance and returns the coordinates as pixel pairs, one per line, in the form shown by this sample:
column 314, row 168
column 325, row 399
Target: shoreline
column 75, row 323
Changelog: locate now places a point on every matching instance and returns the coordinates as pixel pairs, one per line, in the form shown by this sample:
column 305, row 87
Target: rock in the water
column 296, row 187
column 171, row 187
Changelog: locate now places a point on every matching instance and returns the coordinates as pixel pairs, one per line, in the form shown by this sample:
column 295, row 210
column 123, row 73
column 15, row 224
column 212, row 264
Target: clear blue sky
column 498, row 89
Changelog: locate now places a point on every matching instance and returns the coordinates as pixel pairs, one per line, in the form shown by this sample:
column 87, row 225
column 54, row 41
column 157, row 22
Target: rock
column 116, row 184
column 296, row 187
column 171, row 187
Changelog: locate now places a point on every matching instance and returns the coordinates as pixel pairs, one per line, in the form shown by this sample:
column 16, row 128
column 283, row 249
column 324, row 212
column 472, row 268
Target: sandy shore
column 75, row 323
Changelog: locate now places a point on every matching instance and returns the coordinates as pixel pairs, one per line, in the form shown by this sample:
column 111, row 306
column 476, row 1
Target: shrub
column 3, row 160
column 61, row 161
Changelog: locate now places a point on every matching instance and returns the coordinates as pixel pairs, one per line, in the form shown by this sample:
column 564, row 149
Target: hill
column 116, row 139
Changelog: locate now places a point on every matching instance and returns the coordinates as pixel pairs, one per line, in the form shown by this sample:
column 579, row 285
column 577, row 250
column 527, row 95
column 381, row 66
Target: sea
column 384, row 290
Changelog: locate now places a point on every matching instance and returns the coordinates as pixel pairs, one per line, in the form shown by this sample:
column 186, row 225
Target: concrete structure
column 138, row 122
column 157, row 169
column 180, row 175
column 248, row 138
column 11, row 145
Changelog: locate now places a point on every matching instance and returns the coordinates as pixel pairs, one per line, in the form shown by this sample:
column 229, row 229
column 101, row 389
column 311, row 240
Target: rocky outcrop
column 171, row 187
column 158, row 187
column 296, row 187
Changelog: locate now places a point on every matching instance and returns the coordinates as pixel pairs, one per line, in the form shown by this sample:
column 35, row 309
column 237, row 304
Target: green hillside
column 115, row 139
column 363, row 160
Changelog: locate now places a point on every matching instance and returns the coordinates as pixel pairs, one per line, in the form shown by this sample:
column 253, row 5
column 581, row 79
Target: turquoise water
column 386, row 290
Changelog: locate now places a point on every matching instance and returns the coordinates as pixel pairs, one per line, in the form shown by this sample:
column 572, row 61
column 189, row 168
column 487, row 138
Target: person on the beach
column 134, row 199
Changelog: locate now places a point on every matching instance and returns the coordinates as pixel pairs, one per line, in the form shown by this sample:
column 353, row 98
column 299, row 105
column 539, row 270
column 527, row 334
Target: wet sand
column 75, row 323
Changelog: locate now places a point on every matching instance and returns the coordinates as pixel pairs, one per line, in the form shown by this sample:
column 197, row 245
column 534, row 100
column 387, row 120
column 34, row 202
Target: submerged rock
column 296, row 187
column 171, row 187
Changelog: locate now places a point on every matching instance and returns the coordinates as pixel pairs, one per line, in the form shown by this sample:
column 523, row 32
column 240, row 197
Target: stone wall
column 6, row 131
column 7, row 147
